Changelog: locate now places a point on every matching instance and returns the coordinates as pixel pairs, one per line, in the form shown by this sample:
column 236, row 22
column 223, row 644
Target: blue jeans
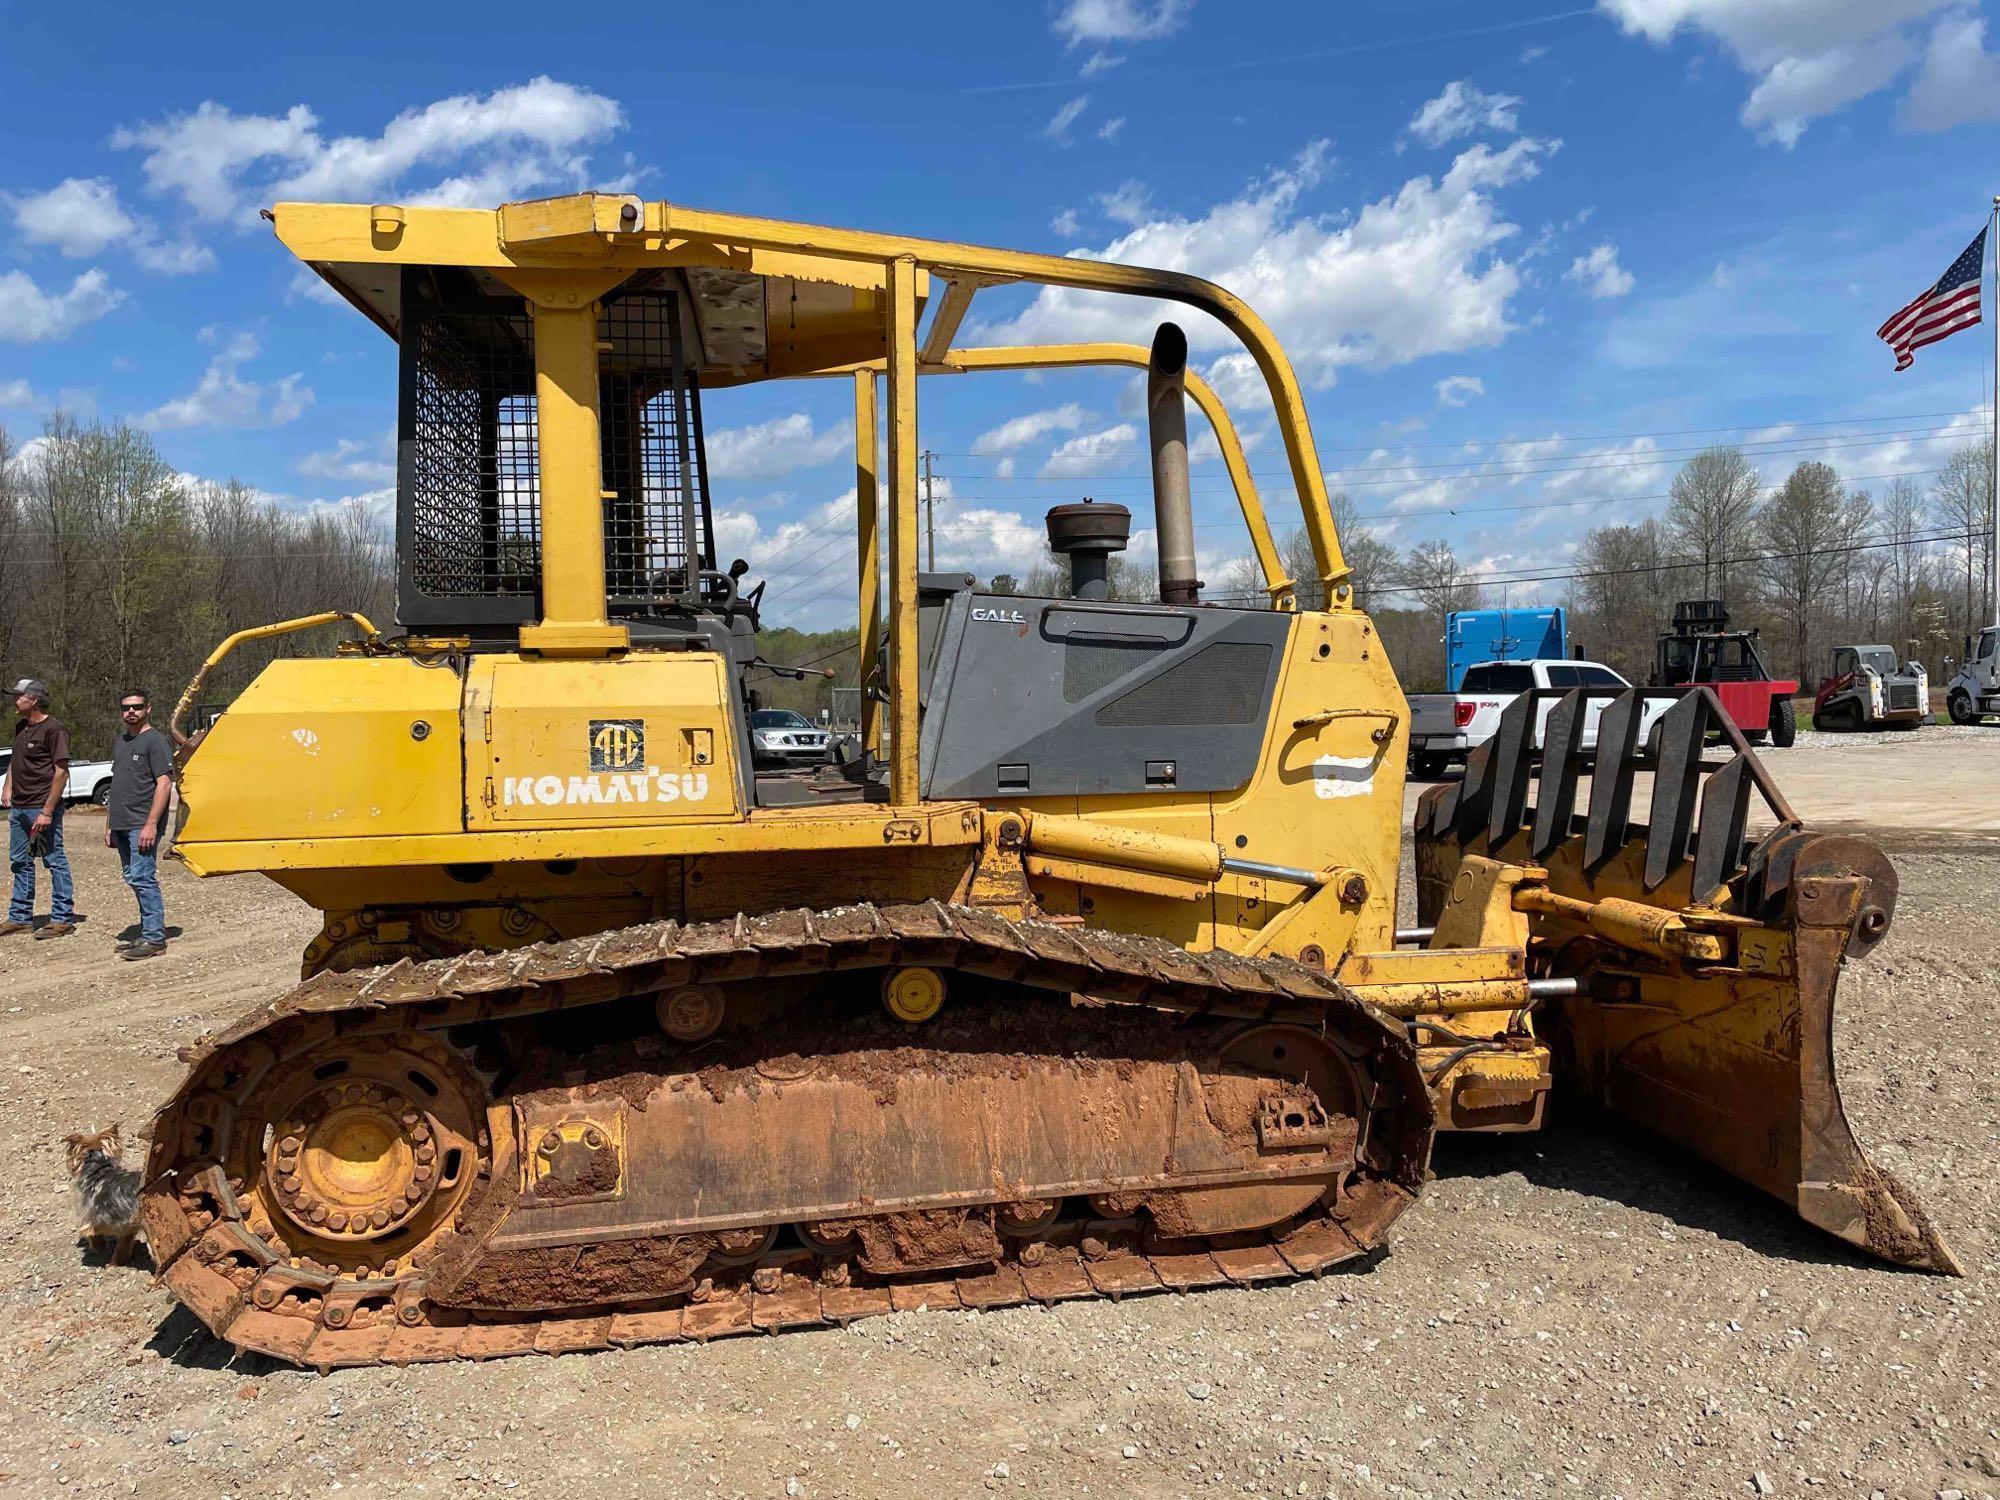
column 62, row 899
column 142, row 874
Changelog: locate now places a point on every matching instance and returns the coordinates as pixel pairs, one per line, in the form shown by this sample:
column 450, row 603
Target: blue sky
column 1524, row 257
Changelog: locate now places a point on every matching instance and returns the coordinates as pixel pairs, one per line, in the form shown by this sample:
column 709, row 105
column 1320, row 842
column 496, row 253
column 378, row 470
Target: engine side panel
column 1068, row 697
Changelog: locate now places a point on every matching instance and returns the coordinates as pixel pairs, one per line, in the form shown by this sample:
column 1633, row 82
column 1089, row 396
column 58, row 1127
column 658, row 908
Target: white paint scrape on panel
column 1344, row 775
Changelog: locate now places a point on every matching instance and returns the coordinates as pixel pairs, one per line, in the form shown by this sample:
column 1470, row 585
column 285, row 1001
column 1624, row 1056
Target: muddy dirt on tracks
column 1580, row 1312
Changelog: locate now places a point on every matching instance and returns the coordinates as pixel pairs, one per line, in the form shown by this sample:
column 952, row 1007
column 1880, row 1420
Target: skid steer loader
column 1084, row 979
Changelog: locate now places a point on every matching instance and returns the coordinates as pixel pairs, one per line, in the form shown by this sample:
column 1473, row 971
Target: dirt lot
column 1577, row 1313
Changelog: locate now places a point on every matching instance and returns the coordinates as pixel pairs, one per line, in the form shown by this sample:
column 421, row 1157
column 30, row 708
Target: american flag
column 1943, row 309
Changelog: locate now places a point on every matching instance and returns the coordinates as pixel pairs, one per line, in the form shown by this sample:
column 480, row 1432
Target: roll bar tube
column 258, row 632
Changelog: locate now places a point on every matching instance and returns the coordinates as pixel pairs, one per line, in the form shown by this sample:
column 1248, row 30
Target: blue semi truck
column 1476, row 635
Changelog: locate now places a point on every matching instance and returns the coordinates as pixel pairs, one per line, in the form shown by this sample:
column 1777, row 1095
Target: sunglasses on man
column 132, row 708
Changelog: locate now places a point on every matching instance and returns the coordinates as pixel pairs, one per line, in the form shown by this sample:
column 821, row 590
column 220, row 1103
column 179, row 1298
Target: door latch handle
column 1329, row 715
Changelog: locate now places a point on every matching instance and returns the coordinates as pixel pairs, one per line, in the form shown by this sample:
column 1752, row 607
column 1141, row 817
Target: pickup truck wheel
column 1962, row 711
column 1784, row 724
column 1426, row 766
column 102, row 795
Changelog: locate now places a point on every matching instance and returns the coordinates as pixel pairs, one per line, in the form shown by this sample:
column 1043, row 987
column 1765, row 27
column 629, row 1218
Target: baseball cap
column 31, row 687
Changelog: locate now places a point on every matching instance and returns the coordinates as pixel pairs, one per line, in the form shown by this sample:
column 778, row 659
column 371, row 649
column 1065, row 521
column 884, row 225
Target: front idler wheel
column 369, row 1153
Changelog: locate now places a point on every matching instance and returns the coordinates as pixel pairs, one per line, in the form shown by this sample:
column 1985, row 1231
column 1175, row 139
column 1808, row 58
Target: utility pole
column 930, row 516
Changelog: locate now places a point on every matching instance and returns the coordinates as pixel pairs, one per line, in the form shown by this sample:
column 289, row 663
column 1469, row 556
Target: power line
column 1483, row 580
column 1486, row 469
column 1966, row 414
column 1408, row 515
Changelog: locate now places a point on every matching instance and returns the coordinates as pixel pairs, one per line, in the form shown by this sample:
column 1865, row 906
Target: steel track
column 247, row 1287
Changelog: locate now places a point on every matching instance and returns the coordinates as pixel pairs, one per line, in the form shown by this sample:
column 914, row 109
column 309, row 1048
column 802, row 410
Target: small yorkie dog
column 107, row 1194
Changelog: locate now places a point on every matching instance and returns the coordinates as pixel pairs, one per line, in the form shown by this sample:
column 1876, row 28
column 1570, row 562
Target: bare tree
column 1628, row 578
column 1899, row 519
column 1128, row 580
column 1439, row 582
column 1371, row 560
column 1963, row 501
column 1709, row 510
column 134, row 574
column 12, row 529
column 1807, row 530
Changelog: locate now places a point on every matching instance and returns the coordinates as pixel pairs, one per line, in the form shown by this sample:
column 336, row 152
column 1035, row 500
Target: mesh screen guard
column 468, row 469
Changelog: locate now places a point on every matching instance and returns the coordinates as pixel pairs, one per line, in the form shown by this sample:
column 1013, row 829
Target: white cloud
column 1092, row 453
column 1081, row 21
column 1464, row 110
column 351, row 459
column 1409, row 275
column 1066, row 223
column 81, row 216
column 18, row 395
column 1599, row 272
column 1108, row 131
column 808, row 559
column 1795, row 91
column 1018, row 432
column 1205, row 447
column 1058, row 128
column 1099, row 62
column 29, row 315
column 509, row 142
column 1809, row 57
column 173, row 257
column 1481, row 166
column 1416, row 482
column 1959, row 81
column 377, row 508
column 1004, row 469
column 770, row 450
column 223, row 398
column 1533, row 54
column 1456, row 390
column 1128, row 203
column 308, row 285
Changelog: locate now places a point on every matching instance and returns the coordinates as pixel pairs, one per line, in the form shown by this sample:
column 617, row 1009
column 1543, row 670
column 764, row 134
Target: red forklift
column 1702, row 651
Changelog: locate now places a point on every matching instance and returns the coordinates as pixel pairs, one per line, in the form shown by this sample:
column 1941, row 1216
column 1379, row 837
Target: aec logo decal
column 617, row 744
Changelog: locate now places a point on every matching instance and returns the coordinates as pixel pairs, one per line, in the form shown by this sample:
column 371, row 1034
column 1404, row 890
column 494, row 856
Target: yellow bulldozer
column 1079, row 974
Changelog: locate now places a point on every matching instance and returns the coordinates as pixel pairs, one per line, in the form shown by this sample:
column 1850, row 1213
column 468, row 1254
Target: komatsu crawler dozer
column 1083, row 977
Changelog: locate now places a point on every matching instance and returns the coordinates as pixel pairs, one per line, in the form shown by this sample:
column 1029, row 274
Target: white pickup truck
column 1446, row 727
column 89, row 780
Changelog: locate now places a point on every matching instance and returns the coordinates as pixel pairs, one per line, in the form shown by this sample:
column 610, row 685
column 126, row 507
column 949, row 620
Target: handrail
column 258, row 632
column 1277, row 583
column 665, row 222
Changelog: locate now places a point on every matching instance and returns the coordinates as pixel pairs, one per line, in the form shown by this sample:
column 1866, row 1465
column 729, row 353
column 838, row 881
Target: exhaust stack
column 1087, row 534
column 1173, row 504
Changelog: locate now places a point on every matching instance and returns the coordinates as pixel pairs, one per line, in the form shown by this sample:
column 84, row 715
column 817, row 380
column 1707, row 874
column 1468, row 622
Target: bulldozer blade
column 1738, row 1065
column 1732, row 1060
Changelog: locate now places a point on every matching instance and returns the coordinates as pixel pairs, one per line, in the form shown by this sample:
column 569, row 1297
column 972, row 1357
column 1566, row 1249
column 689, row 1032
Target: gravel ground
column 1939, row 733
column 1580, row 1312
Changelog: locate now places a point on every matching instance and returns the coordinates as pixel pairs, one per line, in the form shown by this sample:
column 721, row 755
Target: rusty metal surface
column 1349, row 1144
column 1719, row 1039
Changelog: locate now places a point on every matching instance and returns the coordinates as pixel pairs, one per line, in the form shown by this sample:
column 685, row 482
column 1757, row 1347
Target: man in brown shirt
column 33, row 790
